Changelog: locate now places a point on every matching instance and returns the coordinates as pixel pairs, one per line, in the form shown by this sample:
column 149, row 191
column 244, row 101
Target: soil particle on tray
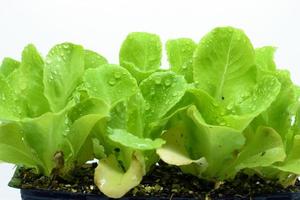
column 162, row 181
column 246, row 187
column 169, row 181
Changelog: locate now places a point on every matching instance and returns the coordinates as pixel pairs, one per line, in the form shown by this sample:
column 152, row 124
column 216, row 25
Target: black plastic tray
column 29, row 194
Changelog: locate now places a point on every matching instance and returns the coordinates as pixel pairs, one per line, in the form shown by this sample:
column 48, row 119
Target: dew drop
column 147, row 106
column 175, row 94
column 222, row 113
column 222, row 123
column 168, row 82
column 59, row 59
column 293, row 120
column 65, row 133
column 65, row 46
column 64, row 58
column 117, row 75
column 230, row 106
column 48, row 62
column 157, row 81
column 215, row 104
column 112, row 81
column 67, row 121
column 119, row 108
column 217, row 119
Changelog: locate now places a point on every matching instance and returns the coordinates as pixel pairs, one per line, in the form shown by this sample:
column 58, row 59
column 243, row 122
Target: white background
column 102, row 25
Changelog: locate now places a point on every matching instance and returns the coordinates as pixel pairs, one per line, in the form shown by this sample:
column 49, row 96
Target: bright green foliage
column 135, row 115
column 8, row 108
column 143, row 50
column 161, row 90
column 93, row 60
column 39, row 131
column 264, row 58
column 8, row 66
column 180, row 55
column 223, row 107
column 130, row 140
column 64, row 67
column 13, row 149
column 238, row 116
column 39, row 125
column 30, row 73
column 224, row 64
column 263, row 148
column 111, row 83
column 141, row 54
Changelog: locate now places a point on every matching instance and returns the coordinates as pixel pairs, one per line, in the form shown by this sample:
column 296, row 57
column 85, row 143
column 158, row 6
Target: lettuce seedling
column 139, row 111
column 223, row 107
column 37, row 96
column 237, row 114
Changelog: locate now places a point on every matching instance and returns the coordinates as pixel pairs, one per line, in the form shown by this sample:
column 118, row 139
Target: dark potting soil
column 162, row 181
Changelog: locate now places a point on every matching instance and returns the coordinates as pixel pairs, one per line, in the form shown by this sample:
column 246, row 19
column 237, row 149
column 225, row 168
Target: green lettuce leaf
column 224, row 64
column 13, row 149
column 180, row 55
column 113, row 181
column 161, row 91
column 141, row 54
column 30, row 73
column 217, row 144
column 9, row 110
column 264, row 58
column 46, row 135
column 130, row 140
column 174, row 152
column 64, row 67
column 110, row 83
column 93, row 60
column 85, row 116
column 8, row 66
column 263, row 148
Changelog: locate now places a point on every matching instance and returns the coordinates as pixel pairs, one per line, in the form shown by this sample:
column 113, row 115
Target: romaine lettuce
column 222, row 107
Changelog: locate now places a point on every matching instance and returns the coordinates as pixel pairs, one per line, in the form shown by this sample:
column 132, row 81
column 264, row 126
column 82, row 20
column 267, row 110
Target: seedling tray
column 31, row 194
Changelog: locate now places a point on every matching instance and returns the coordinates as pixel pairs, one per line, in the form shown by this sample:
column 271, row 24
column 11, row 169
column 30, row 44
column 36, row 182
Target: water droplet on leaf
column 48, row 61
column 112, row 81
column 158, row 80
column 230, row 106
column 222, row 123
column 147, row 106
column 65, row 46
column 168, row 82
column 117, row 75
